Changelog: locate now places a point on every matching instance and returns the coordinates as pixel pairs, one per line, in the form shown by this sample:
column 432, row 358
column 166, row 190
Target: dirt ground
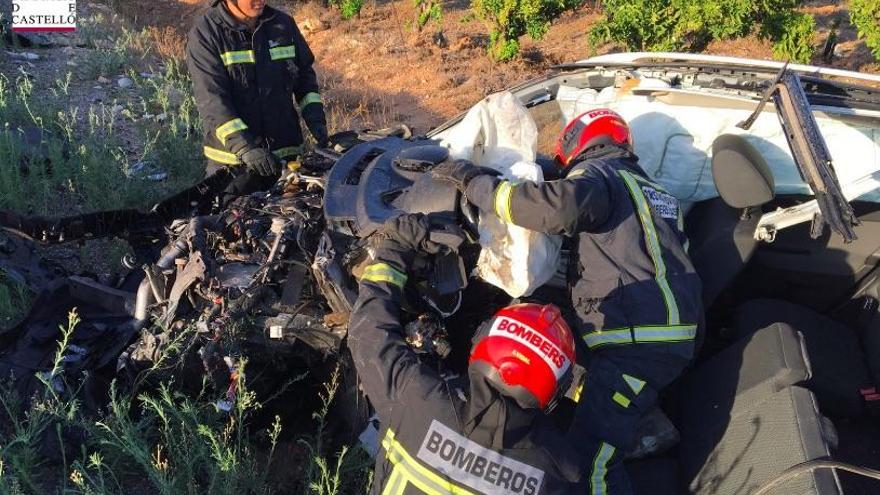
column 422, row 81
column 379, row 68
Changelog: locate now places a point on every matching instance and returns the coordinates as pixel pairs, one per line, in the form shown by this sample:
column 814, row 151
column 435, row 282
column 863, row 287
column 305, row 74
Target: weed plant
column 15, row 299
column 161, row 441
column 865, row 14
column 62, row 155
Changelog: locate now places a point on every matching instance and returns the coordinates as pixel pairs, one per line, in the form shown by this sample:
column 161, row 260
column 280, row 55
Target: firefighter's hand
column 319, row 132
column 261, row 161
column 459, row 173
column 417, row 233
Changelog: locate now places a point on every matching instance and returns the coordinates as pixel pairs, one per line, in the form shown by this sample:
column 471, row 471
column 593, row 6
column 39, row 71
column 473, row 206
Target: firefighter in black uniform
column 250, row 68
column 634, row 292
column 486, row 435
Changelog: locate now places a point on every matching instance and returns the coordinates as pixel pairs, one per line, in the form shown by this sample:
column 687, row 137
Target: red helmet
column 592, row 128
column 525, row 352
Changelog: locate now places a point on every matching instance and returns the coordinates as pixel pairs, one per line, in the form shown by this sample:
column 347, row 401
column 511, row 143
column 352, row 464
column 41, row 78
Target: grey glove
column 459, row 173
column 261, row 161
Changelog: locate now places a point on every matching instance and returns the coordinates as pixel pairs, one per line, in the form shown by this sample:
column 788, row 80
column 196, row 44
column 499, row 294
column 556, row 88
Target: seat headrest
column 741, row 175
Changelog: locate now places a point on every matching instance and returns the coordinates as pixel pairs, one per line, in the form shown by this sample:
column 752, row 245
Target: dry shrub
column 351, row 105
column 167, row 42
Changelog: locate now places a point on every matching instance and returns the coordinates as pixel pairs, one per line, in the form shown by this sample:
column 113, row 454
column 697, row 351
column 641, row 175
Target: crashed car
column 777, row 167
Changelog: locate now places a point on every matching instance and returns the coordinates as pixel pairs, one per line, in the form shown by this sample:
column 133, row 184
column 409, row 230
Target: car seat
column 835, row 352
column 721, row 234
column 745, row 418
column 721, row 230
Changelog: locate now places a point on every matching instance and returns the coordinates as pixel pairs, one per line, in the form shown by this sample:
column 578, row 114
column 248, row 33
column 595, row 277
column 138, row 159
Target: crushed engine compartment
column 264, row 282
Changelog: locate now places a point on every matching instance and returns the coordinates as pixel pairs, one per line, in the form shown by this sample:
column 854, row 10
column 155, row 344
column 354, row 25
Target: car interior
column 792, row 346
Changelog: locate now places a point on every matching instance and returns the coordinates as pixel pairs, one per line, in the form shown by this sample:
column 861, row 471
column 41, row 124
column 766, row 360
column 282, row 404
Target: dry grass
column 167, row 42
column 351, row 107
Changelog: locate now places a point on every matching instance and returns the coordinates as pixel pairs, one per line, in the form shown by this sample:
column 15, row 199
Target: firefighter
column 634, row 293
column 442, row 435
column 251, row 70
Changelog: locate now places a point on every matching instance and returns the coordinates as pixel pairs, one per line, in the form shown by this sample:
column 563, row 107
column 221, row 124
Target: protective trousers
column 618, row 390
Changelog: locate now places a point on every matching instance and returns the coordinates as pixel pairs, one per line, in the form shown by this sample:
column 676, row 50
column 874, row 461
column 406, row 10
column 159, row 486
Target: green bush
column 348, row 8
column 794, row 41
column 669, row 25
column 865, row 14
column 640, row 24
column 509, row 19
column 428, row 10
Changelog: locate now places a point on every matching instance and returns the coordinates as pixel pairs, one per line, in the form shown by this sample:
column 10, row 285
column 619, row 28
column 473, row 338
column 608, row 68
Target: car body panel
column 678, row 103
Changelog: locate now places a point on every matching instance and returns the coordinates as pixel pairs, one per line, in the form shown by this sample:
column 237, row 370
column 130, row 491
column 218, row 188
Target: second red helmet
column 526, row 352
column 600, row 126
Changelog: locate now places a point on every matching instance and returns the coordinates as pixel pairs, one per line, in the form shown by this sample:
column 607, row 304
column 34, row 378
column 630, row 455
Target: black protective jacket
column 632, row 283
column 248, row 84
column 436, row 433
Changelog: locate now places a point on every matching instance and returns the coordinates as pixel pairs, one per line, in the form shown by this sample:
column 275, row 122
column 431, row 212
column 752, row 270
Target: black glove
column 411, row 232
column 261, row 161
column 459, row 173
column 319, row 132
column 407, row 235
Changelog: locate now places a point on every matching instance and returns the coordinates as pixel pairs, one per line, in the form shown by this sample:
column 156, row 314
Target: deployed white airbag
column 500, row 133
column 674, row 142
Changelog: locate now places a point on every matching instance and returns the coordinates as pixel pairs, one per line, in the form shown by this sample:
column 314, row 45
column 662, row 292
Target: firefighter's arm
column 566, row 206
column 306, row 90
column 212, row 88
column 390, row 371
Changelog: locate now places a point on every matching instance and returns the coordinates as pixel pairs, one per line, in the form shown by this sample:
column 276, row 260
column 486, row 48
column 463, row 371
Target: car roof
column 634, row 57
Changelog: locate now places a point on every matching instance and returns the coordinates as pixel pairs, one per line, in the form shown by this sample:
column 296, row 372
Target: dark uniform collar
column 626, row 158
column 221, row 15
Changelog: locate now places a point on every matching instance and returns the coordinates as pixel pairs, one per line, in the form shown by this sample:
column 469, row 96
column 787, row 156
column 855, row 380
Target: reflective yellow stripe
column 641, row 335
column 395, row 484
column 239, row 57
column 502, row 201
column 621, row 399
column 310, row 98
column 219, row 156
column 411, row 471
column 634, row 383
column 600, row 469
column 228, row 158
column 680, row 220
column 225, row 130
column 653, row 245
column 383, row 272
column 282, row 52
column 576, row 397
column 686, row 244
column 288, row 151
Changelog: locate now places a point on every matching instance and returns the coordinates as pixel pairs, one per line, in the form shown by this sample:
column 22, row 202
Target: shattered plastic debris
column 369, row 438
column 335, row 319
column 146, row 169
column 28, row 56
column 237, row 275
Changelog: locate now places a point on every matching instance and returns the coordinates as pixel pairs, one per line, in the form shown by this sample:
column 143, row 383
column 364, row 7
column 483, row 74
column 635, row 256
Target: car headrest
column 741, row 175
